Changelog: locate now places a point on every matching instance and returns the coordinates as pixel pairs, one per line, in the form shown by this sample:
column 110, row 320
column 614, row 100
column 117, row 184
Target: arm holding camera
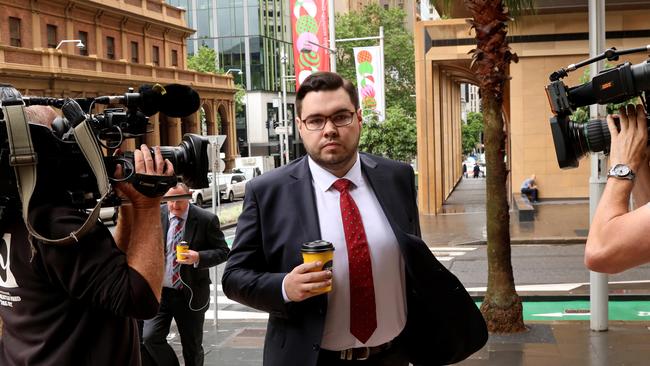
column 618, row 238
column 641, row 190
column 137, row 235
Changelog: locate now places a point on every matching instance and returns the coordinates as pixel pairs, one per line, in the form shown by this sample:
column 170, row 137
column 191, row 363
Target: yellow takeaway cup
column 319, row 250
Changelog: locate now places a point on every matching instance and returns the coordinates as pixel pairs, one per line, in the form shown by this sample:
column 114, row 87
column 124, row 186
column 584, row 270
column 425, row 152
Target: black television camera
column 616, row 85
column 62, row 166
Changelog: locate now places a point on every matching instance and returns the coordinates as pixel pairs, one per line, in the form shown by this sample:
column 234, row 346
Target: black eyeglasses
column 339, row 119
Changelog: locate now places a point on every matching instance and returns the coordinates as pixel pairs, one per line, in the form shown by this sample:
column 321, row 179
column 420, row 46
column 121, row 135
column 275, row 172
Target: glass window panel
column 155, row 55
column 83, row 37
column 174, row 58
column 51, row 36
column 203, row 20
column 134, row 52
column 14, row 32
column 110, row 48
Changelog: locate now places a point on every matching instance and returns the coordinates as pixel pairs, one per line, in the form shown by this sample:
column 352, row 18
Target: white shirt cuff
column 284, row 293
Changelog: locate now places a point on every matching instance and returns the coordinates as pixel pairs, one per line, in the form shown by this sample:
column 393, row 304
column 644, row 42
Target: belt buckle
column 365, row 354
column 350, row 354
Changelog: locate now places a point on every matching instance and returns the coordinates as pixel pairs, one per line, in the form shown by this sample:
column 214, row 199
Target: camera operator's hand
column 138, row 232
column 144, row 164
column 629, row 144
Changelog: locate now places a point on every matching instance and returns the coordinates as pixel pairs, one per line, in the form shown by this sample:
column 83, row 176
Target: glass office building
column 248, row 35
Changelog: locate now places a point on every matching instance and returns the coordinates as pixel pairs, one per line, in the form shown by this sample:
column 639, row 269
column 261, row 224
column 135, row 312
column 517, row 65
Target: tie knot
column 177, row 220
column 342, row 185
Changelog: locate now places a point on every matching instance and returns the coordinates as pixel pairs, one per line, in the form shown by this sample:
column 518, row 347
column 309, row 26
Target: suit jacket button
column 315, row 347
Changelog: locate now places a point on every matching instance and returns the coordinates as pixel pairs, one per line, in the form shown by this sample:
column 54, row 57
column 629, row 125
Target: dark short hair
column 325, row 81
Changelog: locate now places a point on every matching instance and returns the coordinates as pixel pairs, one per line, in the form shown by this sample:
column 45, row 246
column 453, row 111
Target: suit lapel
column 305, row 207
column 383, row 188
column 190, row 227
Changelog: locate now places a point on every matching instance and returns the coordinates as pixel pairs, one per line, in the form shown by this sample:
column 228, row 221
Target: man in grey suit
column 186, row 283
column 391, row 302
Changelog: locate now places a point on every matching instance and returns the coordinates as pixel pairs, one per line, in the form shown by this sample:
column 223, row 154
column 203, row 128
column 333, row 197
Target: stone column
column 174, row 135
column 153, row 138
column 231, row 131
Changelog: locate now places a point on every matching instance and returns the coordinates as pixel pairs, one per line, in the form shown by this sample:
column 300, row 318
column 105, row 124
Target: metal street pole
column 598, row 289
column 330, row 9
column 281, row 134
column 283, row 65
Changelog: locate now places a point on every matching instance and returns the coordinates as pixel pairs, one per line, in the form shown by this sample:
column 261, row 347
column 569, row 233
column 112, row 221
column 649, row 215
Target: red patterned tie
column 177, row 235
column 363, row 315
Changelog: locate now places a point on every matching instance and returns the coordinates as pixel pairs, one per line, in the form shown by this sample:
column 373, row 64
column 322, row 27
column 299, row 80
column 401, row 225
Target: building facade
column 409, row 7
column 250, row 37
column 126, row 43
column 554, row 38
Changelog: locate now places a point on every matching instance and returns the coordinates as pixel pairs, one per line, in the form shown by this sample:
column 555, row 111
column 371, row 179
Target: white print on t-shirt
column 7, row 279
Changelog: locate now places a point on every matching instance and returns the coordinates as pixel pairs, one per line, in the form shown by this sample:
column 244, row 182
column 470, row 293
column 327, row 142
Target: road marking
column 237, row 315
column 561, row 315
column 226, row 305
column 447, row 254
column 550, row 287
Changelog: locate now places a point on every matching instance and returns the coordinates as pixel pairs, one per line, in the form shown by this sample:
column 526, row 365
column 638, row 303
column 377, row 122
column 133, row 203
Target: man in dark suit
column 186, row 283
column 385, row 306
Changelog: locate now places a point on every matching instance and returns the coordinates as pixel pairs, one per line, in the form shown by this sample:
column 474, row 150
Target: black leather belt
column 358, row 354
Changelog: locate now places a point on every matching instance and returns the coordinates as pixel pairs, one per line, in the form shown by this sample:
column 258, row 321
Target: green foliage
column 395, row 138
column 239, row 98
column 471, row 131
column 205, row 60
column 399, row 64
column 581, row 114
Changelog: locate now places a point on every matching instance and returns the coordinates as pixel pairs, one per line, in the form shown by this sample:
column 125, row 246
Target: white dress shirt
column 385, row 255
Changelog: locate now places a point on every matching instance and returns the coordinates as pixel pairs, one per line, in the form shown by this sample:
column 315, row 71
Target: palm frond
column 515, row 7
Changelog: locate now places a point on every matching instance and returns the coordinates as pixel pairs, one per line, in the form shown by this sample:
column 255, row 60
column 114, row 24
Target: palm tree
column 501, row 307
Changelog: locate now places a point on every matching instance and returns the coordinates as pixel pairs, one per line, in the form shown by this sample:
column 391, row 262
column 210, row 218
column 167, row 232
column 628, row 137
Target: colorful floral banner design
column 309, row 20
column 369, row 63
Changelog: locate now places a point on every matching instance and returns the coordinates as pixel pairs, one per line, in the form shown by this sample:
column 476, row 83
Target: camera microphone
column 179, row 101
column 174, row 100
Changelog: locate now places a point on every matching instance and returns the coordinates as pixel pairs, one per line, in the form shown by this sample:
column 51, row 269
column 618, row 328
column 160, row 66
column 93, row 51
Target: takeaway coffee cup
column 181, row 249
column 319, row 250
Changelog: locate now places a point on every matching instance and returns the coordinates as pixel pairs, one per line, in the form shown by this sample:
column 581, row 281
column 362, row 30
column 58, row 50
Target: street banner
column 369, row 64
column 309, row 21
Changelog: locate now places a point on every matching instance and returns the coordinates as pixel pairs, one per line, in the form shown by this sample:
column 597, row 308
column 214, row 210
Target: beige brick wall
column 531, row 145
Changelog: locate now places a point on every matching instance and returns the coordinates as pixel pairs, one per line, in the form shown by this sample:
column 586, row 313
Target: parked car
column 231, row 186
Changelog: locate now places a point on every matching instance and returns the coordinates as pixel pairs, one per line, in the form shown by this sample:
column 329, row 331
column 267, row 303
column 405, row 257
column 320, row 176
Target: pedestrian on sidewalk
column 618, row 238
column 186, row 284
column 477, row 170
column 464, row 170
column 529, row 188
column 390, row 301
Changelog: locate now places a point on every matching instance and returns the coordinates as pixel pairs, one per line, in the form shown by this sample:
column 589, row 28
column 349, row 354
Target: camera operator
column 75, row 304
column 618, row 238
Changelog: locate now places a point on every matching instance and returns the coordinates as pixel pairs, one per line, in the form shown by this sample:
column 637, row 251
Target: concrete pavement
column 239, row 340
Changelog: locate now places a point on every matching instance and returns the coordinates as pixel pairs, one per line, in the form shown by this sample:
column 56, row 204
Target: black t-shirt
column 69, row 305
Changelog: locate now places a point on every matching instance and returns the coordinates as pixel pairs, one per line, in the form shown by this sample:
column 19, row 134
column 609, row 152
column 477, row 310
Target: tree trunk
column 501, row 308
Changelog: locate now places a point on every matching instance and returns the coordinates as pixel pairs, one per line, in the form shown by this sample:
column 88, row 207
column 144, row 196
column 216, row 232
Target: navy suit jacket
column 280, row 214
column 203, row 235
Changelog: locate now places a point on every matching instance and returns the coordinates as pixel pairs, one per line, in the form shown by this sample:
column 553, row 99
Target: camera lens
column 190, row 160
column 574, row 140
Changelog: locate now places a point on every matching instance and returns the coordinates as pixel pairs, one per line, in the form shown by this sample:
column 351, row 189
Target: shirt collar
column 183, row 216
column 324, row 179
